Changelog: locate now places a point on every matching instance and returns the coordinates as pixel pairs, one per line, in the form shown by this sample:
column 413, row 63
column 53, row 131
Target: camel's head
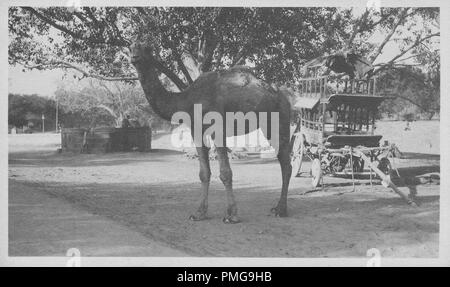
column 140, row 52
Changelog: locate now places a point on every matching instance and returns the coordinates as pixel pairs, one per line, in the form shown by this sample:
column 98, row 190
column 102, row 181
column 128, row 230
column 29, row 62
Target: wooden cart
column 336, row 130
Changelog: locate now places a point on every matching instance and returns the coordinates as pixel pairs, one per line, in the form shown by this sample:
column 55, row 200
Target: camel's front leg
column 286, row 170
column 205, row 177
column 226, row 176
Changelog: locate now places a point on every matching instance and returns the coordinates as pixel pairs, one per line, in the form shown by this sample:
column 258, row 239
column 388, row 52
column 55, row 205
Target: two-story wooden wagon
column 336, row 129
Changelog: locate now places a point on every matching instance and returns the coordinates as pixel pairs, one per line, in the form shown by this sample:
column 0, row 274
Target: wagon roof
column 306, row 102
column 355, row 99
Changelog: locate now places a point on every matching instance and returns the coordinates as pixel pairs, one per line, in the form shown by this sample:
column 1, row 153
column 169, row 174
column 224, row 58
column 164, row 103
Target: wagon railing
column 313, row 87
column 318, row 87
column 354, row 86
column 312, row 125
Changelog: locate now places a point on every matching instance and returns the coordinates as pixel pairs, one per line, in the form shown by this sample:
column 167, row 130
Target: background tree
column 416, row 92
column 22, row 107
column 99, row 103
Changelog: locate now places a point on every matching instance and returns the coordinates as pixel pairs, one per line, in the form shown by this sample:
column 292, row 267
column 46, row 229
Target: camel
column 233, row 90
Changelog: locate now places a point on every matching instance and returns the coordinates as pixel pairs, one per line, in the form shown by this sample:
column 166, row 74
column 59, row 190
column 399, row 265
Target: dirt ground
column 153, row 194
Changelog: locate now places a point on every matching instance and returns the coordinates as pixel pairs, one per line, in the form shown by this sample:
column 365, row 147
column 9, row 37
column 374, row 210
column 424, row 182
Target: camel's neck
column 163, row 103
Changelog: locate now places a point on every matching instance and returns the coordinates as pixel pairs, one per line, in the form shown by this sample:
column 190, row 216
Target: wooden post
column 373, row 121
column 56, row 120
column 374, row 85
column 310, row 88
column 43, row 123
column 307, row 86
column 351, row 166
column 320, row 87
column 361, row 120
column 386, row 179
column 323, row 118
column 335, row 117
column 367, row 118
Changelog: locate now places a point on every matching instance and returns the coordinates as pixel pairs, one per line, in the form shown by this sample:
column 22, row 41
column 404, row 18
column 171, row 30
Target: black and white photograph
column 272, row 133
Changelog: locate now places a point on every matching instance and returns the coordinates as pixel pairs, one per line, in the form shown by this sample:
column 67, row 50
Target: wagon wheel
column 316, row 172
column 358, row 164
column 385, row 166
column 297, row 155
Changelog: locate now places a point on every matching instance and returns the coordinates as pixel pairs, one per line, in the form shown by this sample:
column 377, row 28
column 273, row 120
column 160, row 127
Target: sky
column 43, row 83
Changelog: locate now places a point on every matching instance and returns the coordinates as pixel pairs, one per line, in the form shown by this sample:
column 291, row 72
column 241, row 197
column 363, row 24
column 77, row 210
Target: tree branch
column 108, row 109
column 171, row 75
column 55, row 64
column 142, row 11
column 114, row 42
column 63, row 64
column 416, row 104
column 402, row 17
column 415, row 44
column 356, row 28
column 206, row 51
column 112, row 19
column 181, row 64
column 240, row 57
column 210, row 41
column 81, row 17
column 91, row 15
column 183, row 69
column 51, row 23
column 413, row 56
column 383, row 17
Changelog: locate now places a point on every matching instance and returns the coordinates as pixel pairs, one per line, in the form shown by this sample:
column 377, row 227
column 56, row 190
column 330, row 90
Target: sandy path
column 152, row 194
column 43, row 225
column 154, row 197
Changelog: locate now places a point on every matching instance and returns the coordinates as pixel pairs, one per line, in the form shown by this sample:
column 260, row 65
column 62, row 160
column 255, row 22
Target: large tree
column 191, row 40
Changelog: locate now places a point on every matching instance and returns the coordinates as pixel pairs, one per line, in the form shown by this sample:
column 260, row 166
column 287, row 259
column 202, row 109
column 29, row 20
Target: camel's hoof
column 279, row 212
column 231, row 220
column 198, row 217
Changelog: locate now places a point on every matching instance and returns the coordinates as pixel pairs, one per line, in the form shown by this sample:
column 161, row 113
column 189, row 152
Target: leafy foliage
column 416, row 92
column 22, row 108
column 276, row 41
column 100, row 103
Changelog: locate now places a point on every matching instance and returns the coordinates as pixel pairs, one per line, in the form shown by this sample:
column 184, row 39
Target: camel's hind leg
column 286, row 170
column 226, row 176
column 205, row 177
